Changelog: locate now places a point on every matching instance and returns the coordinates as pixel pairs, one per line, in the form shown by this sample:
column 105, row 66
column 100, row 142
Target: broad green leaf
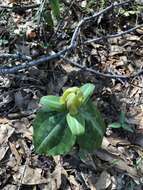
column 115, row 125
column 76, row 124
column 55, row 8
column 51, row 103
column 65, row 145
column 48, row 130
column 91, row 139
column 87, row 91
column 95, row 127
column 91, row 112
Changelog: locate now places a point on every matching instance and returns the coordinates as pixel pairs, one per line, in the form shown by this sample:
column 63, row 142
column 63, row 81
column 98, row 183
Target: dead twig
column 73, row 45
column 101, row 74
column 91, row 18
column 19, row 7
column 114, row 35
column 26, row 65
column 93, row 71
column 16, row 56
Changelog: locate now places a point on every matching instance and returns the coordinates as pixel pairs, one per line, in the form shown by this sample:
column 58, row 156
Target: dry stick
column 21, row 7
column 107, row 74
column 95, row 15
column 33, row 63
column 72, row 45
column 98, row 73
column 16, row 56
column 94, row 71
column 28, row 58
column 113, row 35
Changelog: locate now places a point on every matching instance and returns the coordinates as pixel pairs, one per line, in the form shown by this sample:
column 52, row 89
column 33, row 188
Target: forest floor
column 118, row 165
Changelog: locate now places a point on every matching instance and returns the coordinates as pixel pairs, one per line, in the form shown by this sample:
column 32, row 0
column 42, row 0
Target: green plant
column 55, row 6
column 121, row 124
column 72, row 119
column 47, row 10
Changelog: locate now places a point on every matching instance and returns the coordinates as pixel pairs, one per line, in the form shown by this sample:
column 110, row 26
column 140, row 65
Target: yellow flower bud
column 72, row 98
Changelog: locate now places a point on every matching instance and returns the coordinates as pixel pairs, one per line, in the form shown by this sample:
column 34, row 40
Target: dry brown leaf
column 56, row 175
column 3, row 150
column 22, row 126
column 116, row 141
column 68, row 68
column 139, row 139
column 13, row 1
column 30, row 34
column 5, row 132
column 115, row 50
column 104, row 181
column 19, row 100
column 91, row 179
column 29, row 176
column 15, row 152
column 73, row 183
column 10, row 187
column 117, row 162
column 3, row 120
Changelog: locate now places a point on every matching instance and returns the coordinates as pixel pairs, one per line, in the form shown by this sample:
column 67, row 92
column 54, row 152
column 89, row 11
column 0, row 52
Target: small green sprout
column 121, row 124
column 67, row 120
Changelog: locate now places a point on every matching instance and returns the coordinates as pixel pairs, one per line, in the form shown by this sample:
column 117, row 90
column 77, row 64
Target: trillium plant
column 69, row 120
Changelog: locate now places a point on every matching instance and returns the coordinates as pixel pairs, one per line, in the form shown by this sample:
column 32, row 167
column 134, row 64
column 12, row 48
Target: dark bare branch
column 114, row 35
column 19, row 7
column 95, row 15
column 101, row 74
column 73, row 45
column 14, row 69
column 18, row 56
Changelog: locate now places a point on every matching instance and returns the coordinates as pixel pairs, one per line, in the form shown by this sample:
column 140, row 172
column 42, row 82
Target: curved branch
column 73, row 45
column 101, row 74
column 14, row 69
column 114, row 35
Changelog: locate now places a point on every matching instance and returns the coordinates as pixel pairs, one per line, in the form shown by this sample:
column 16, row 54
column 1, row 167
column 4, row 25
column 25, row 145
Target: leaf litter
column 118, row 164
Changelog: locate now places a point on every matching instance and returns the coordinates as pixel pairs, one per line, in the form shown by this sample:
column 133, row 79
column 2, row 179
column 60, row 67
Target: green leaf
column 123, row 122
column 91, row 139
column 115, row 125
column 48, row 18
column 55, row 8
column 122, row 117
column 51, row 103
column 127, row 127
column 87, row 91
column 76, row 124
column 65, row 144
column 49, row 129
column 91, row 112
column 95, row 127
